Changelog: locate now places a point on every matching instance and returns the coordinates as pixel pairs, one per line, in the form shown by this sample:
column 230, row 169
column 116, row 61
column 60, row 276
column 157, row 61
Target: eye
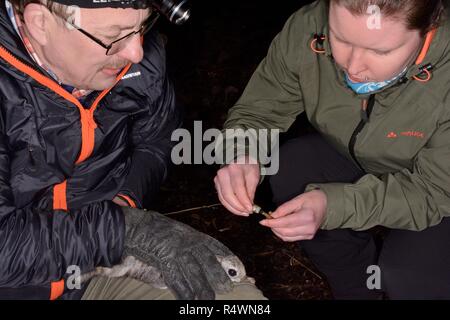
column 232, row 272
column 381, row 53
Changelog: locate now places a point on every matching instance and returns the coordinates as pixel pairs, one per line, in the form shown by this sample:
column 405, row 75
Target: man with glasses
column 86, row 116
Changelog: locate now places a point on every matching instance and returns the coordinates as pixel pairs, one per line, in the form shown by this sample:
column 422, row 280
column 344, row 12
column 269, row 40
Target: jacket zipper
column 32, row 67
column 366, row 111
column 88, row 124
column 19, row 60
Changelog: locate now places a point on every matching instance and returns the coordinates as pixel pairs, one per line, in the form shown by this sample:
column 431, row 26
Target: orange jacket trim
column 130, row 201
column 428, row 40
column 57, row 289
column 59, row 196
column 88, row 124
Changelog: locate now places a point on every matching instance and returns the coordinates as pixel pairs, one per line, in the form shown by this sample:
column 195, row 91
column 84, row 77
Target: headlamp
column 176, row 11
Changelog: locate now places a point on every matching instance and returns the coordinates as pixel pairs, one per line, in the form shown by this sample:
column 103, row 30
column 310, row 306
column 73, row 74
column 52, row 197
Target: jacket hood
column 9, row 38
column 11, row 41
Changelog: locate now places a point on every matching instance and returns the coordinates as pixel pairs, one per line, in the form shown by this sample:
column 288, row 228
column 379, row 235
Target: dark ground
column 211, row 60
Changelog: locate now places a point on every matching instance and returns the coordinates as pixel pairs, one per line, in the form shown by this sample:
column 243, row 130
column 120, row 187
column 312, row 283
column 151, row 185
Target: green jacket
column 404, row 146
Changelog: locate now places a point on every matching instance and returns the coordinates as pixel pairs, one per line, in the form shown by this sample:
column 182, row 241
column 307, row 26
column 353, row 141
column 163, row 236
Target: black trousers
column 413, row 265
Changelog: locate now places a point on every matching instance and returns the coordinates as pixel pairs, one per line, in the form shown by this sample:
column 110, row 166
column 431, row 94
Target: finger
column 293, row 239
column 295, row 232
column 222, row 200
column 196, row 277
column 213, row 270
column 232, row 184
column 225, row 203
column 252, row 181
column 297, row 219
column 227, row 192
column 238, row 185
column 288, row 207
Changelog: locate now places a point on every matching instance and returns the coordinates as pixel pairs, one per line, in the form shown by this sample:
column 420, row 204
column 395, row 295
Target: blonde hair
column 57, row 9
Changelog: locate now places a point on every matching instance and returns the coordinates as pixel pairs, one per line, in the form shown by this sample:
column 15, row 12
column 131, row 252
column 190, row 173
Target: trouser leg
column 416, row 265
column 343, row 256
column 103, row 288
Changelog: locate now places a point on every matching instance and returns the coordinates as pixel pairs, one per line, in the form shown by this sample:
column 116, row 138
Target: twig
column 303, row 265
column 193, row 209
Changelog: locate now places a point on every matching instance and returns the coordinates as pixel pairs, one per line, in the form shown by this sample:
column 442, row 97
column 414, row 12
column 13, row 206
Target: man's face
column 79, row 61
column 371, row 54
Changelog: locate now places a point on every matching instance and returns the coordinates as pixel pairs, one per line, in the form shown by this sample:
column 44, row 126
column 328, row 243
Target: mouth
column 111, row 71
column 355, row 79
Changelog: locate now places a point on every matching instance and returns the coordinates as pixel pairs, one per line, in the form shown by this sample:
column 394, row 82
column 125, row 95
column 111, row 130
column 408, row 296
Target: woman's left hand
column 299, row 218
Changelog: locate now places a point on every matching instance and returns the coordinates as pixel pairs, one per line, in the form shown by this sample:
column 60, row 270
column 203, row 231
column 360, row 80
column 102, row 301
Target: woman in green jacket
column 373, row 78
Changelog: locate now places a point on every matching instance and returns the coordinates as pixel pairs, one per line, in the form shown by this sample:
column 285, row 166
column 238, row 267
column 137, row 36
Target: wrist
column 124, row 201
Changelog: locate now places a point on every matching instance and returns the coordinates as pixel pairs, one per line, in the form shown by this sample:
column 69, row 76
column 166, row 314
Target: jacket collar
column 10, row 40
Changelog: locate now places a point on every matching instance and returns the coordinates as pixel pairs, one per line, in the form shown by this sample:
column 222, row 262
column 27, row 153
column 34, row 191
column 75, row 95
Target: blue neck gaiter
column 369, row 87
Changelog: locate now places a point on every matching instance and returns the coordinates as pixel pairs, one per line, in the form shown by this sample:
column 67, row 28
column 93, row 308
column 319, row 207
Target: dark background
column 210, row 61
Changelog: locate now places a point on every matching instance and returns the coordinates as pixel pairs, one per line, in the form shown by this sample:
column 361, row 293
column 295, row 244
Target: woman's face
column 366, row 53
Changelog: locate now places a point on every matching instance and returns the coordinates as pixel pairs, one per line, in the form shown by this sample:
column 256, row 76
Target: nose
column 133, row 51
column 355, row 62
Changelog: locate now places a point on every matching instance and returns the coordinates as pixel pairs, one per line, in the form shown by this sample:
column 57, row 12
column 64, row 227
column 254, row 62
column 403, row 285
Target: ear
column 38, row 20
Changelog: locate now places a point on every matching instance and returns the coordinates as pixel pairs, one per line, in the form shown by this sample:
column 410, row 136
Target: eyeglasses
column 119, row 44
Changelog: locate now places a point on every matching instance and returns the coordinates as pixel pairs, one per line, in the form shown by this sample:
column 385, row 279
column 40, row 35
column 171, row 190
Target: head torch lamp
column 176, row 11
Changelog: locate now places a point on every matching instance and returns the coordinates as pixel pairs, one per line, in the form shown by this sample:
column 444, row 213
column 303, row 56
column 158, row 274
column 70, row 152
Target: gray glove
column 185, row 257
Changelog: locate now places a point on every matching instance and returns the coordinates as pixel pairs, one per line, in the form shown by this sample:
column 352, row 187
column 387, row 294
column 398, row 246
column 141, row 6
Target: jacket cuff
column 335, row 214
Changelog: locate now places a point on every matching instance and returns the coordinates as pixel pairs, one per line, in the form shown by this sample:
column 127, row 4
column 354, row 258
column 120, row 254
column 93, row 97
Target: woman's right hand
column 236, row 185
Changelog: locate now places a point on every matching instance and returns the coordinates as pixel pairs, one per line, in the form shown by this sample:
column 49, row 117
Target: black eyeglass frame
column 146, row 26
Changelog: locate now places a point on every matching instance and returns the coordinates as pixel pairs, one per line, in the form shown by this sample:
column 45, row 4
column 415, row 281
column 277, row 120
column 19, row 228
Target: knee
column 409, row 280
column 245, row 290
column 397, row 280
column 391, row 277
column 295, row 158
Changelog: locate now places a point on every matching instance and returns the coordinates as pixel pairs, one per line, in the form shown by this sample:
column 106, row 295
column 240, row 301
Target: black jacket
column 58, row 176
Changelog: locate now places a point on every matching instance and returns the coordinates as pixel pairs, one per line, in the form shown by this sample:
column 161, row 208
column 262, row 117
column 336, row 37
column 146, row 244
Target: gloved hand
column 185, row 257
